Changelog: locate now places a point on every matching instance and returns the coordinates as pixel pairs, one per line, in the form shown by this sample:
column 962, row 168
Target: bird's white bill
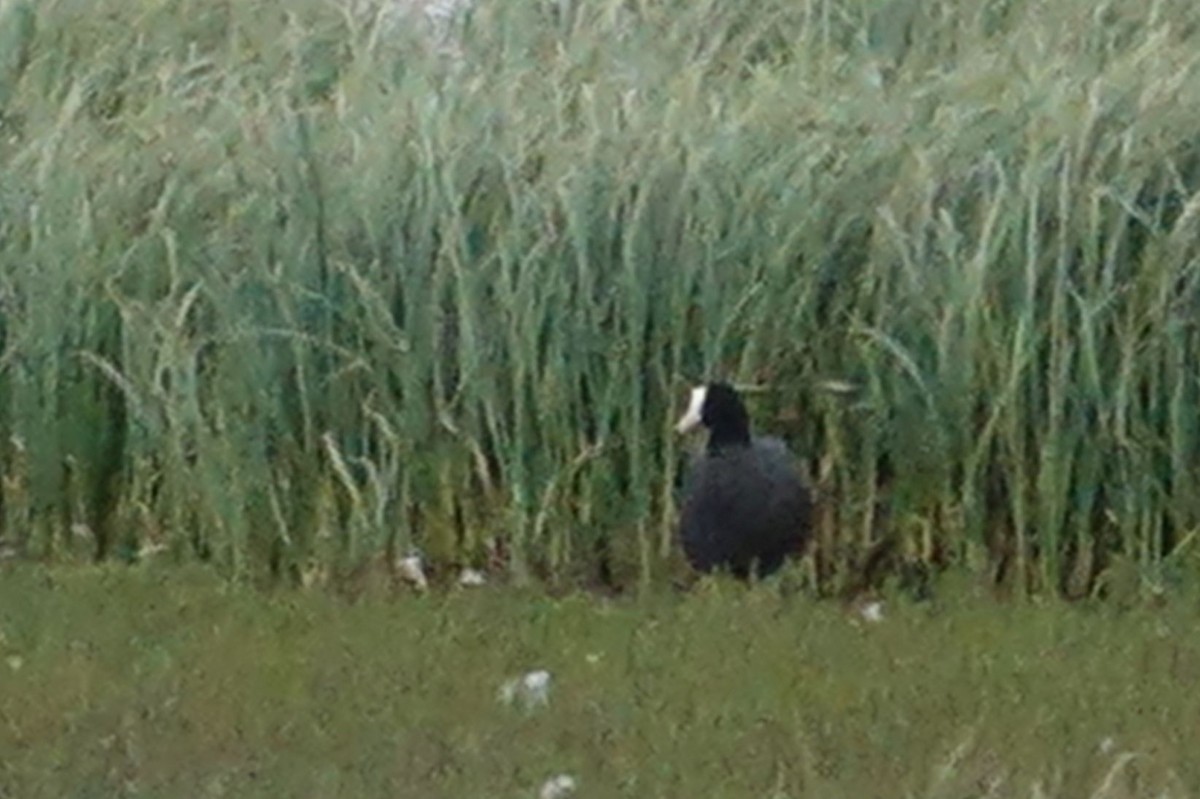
column 692, row 416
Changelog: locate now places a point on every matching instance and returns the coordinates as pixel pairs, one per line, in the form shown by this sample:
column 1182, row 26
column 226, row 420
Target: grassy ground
column 118, row 682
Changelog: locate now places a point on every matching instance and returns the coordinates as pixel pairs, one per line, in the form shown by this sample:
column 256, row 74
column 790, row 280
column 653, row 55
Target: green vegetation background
column 283, row 291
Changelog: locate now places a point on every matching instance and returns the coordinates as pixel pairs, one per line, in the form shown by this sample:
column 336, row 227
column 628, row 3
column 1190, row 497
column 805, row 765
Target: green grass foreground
column 136, row 683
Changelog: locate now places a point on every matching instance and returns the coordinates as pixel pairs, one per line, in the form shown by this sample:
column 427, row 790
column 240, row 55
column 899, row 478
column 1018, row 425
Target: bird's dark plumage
column 745, row 507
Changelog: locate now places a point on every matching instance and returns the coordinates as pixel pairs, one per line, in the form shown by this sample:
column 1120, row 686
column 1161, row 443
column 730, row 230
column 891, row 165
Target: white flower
column 471, row 578
column 531, row 690
column 872, row 611
column 413, row 571
column 558, row 787
column 537, row 686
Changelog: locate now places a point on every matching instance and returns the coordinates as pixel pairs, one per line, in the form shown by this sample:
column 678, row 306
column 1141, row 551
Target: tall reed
column 284, row 289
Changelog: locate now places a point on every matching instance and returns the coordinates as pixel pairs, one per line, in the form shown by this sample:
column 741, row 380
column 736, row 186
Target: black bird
column 745, row 507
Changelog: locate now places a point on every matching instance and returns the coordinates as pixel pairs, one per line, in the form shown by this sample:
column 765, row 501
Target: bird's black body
column 745, row 507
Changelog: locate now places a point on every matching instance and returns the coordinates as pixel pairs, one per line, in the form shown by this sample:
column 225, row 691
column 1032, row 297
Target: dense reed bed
column 286, row 290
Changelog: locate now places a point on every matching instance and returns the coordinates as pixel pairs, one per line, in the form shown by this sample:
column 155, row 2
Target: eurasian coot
column 745, row 506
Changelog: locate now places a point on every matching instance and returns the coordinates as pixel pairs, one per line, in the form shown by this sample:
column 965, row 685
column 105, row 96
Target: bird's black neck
column 728, row 437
